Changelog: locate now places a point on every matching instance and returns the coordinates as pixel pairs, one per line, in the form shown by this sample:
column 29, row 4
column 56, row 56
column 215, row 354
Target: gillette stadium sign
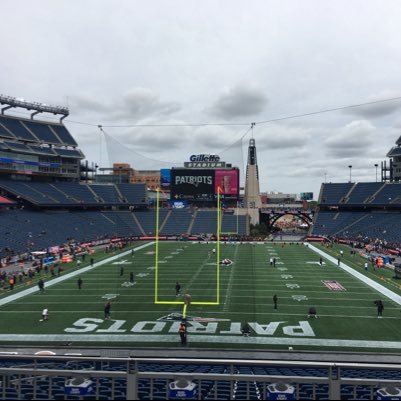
column 204, row 161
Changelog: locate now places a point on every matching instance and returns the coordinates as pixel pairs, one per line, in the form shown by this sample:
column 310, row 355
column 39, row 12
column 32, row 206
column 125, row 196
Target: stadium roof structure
column 11, row 102
column 398, row 141
column 395, row 151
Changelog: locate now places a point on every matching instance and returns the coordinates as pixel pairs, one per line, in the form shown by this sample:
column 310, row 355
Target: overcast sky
column 125, row 63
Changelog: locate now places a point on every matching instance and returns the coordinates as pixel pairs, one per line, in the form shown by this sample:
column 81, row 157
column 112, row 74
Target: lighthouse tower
column 252, row 192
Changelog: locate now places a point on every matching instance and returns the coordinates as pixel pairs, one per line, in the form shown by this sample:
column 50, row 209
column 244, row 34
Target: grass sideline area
column 347, row 317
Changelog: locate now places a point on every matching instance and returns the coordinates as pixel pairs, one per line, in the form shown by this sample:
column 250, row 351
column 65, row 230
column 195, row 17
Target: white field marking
column 286, row 276
column 122, row 262
column 162, row 261
column 230, row 284
column 299, row 298
column 200, row 338
column 282, row 269
column 67, row 276
column 246, row 314
column 371, row 283
column 168, row 257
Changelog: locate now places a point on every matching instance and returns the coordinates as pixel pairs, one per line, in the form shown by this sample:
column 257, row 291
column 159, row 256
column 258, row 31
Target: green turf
column 246, row 292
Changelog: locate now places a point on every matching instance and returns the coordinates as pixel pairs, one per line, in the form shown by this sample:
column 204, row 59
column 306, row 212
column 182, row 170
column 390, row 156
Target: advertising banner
column 165, row 179
column 227, row 180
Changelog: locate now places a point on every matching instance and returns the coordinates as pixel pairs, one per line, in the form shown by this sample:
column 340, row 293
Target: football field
column 224, row 298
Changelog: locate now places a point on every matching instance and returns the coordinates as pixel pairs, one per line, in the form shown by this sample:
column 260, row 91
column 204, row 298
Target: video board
column 203, row 184
column 306, row 195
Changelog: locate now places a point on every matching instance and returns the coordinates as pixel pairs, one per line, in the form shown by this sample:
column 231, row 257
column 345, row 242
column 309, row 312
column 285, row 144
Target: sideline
column 67, row 276
column 201, row 338
column 371, row 283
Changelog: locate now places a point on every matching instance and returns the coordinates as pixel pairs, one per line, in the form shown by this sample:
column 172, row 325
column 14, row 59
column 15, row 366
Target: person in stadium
column 183, row 333
column 271, row 261
column 131, row 277
column 45, row 315
column 274, row 262
column 79, row 283
column 92, row 261
column 226, row 262
column 312, row 312
column 41, row 285
column 107, row 309
column 245, row 330
column 275, row 300
column 177, row 288
column 380, row 308
column 321, row 261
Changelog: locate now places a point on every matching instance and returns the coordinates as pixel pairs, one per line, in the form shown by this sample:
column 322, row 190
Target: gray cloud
column 142, row 102
column 283, row 137
column 239, row 101
column 356, row 135
column 377, row 110
column 136, row 103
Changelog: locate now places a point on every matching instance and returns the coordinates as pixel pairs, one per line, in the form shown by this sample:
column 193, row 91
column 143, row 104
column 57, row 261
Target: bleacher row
column 41, row 229
column 235, row 382
column 363, row 193
column 35, row 132
column 362, row 210
column 382, row 225
column 36, row 149
column 74, row 193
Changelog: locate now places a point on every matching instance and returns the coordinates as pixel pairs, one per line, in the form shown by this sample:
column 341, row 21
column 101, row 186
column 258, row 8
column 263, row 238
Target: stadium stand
column 134, row 194
column 20, row 227
column 362, row 192
column 42, row 132
column 113, row 378
column 177, row 222
column 366, row 211
column 35, row 131
column 331, row 194
column 389, row 194
column 17, row 130
column 147, row 220
column 205, row 221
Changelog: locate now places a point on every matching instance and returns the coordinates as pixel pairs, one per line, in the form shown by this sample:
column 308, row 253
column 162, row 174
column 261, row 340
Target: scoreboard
column 204, row 184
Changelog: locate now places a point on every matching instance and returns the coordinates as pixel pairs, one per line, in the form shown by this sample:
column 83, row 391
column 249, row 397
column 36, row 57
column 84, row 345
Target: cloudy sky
column 167, row 79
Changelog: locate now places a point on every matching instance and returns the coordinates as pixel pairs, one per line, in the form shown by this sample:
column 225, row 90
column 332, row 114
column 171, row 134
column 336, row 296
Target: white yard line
column 67, row 276
column 371, row 283
column 230, row 283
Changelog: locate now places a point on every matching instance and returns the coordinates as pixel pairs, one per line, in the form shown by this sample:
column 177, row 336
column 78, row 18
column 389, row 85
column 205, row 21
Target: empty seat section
column 147, row 219
column 390, row 193
column 333, row 193
column 363, row 191
column 42, row 132
column 107, row 192
column 134, row 193
column 62, row 132
column 178, row 222
column 205, row 222
column 17, row 129
column 79, row 192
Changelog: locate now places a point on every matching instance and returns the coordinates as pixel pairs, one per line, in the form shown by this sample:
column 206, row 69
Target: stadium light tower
column 350, row 176
column 376, row 165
